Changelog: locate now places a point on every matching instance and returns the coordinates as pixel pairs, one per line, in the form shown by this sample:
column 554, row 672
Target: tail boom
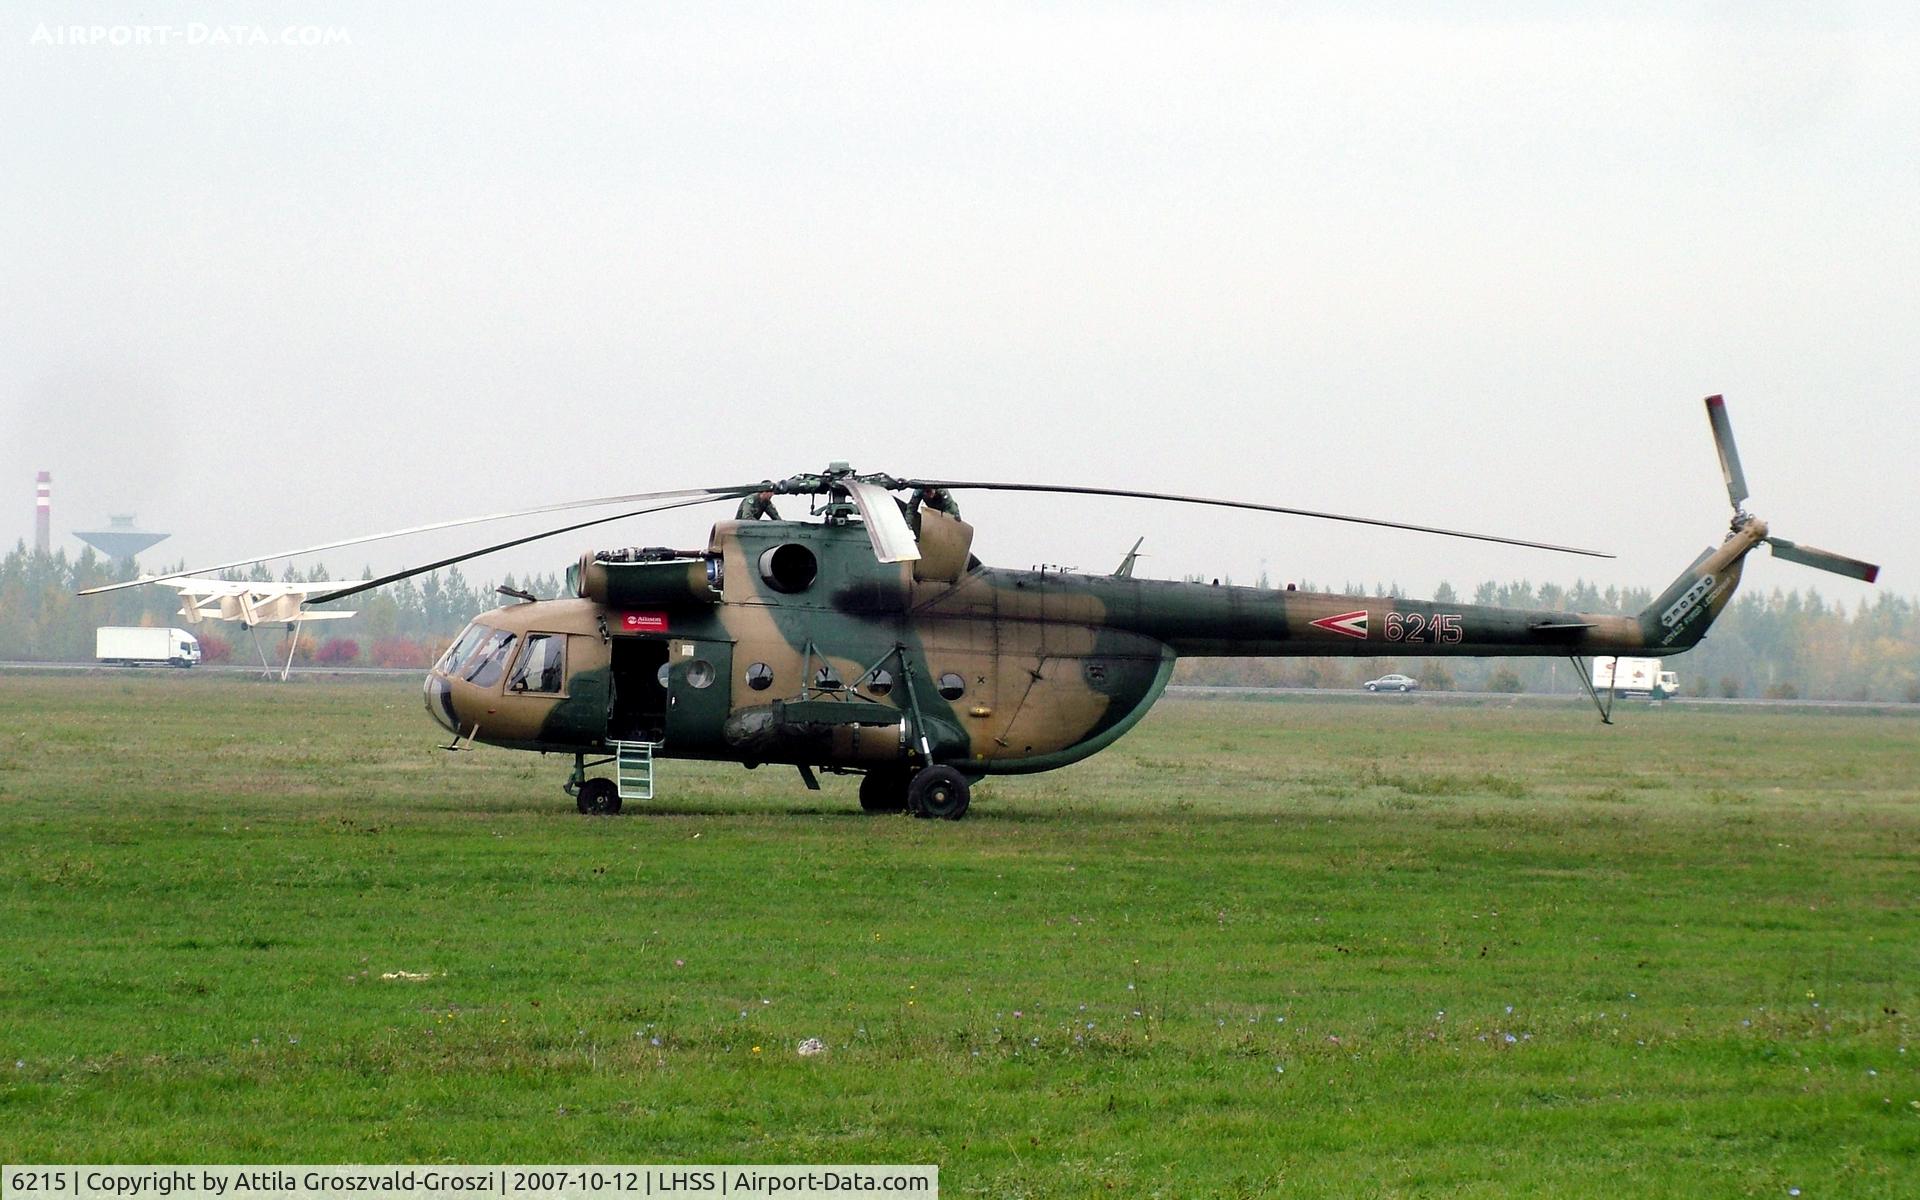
column 1211, row 621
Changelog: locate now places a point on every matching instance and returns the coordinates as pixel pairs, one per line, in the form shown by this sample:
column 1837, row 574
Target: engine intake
column 653, row 577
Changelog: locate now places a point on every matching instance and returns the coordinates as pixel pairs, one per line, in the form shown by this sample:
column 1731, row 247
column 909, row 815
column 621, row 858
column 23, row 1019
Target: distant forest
column 1780, row 644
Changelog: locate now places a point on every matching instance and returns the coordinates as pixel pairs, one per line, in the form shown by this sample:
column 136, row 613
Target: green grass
column 1678, row 956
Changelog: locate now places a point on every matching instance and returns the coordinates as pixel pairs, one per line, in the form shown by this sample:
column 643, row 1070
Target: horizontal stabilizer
column 1560, row 626
column 1824, row 560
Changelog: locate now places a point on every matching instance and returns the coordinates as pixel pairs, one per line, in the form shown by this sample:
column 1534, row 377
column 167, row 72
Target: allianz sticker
column 1678, row 610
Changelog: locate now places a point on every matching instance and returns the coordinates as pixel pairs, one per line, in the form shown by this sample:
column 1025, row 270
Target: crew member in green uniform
column 758, row 505
column 936, row 498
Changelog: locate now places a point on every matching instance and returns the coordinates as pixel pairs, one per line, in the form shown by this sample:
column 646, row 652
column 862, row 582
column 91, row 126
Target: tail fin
column 1680, row 617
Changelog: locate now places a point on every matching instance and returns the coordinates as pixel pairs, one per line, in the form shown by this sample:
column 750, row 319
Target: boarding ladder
column 633, row 769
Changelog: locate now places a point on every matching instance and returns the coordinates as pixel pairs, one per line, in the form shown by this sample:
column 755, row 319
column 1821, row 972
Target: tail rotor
column 1806, row 556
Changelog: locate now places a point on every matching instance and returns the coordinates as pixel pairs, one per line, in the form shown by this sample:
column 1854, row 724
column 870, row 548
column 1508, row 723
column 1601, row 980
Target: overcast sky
column 1474, row 269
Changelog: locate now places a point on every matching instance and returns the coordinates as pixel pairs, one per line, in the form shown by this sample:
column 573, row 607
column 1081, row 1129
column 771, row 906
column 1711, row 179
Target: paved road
column 89, row 668
column 1886, row 706
column 1195, row 691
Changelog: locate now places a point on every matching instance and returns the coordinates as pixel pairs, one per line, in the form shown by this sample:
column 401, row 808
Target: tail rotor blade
column 1729, row 453
column 1824, row 560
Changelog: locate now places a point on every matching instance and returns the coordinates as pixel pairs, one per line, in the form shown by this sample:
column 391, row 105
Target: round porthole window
column 827, row 679
column 759, row 677
column 880, row 682
column 952, row 687
column 700, row 673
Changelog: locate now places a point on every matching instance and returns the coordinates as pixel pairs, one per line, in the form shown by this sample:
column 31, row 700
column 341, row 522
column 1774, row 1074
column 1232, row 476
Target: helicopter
column 871, row 641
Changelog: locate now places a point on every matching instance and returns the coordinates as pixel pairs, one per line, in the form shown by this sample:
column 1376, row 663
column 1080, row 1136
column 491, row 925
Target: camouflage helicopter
column 865, row 642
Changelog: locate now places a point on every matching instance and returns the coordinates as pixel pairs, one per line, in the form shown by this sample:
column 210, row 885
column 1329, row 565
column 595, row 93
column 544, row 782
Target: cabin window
column 827, row 679
column 463, row 646
column 880, row 682
column 952, row 687
column 542, row 666
column 759, row 677
column 700, row 673
column 490, row 661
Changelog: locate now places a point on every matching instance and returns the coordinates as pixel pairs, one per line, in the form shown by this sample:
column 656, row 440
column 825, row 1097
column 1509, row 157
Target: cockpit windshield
column 490, row 661
column 457, row 653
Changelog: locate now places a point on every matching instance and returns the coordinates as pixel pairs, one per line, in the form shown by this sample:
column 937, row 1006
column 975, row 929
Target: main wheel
column 1372, row 688
column 940, row 792
column 598, row 797
column 884, row 791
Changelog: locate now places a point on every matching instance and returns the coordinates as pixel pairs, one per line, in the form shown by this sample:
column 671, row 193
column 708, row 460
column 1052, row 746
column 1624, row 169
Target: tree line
column 1778, row 644
column 406, row 624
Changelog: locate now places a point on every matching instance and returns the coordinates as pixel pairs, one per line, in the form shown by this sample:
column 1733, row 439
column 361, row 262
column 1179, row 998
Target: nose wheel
column 598, row 797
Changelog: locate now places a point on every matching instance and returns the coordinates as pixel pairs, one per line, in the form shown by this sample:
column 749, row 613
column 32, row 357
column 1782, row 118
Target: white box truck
column 1634, row 677
column 131, row 646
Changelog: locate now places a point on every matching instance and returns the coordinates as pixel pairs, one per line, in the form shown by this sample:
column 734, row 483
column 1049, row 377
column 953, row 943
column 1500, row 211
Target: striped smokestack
column 43, row 514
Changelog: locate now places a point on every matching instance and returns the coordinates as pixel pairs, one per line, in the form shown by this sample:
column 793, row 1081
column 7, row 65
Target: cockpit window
column 490, row 660
column 457, row 653
column 542, row 664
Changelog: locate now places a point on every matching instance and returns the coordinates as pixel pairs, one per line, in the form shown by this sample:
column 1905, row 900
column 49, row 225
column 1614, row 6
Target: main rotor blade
column 1272, row 508
column 887, row 527
column 1729, row 453
column 1824, row 560
column 364, row 585
column 702, row 493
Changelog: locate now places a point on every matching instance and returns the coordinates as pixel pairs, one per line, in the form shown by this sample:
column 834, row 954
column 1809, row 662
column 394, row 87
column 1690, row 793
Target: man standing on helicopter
column 936, row 498
column 756, row 506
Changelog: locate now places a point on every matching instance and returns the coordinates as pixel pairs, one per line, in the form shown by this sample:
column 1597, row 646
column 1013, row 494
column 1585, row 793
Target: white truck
column 132, row 646
column 1634, row 677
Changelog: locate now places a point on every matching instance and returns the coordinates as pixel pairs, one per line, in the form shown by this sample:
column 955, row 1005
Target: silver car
column 1393, row 683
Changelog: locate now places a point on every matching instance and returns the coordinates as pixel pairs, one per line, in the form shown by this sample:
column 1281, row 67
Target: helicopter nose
column 440, row 704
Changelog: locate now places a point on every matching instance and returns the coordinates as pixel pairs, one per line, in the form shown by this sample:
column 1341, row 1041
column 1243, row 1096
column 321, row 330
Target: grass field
column 1366, row 948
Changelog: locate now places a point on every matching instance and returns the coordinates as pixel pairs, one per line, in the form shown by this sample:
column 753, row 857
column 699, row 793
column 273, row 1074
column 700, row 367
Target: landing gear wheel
column 940, row 792
column 884, row 791
column 598, row 797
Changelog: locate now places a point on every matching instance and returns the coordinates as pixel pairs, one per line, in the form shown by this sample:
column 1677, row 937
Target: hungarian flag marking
column 1353, row 624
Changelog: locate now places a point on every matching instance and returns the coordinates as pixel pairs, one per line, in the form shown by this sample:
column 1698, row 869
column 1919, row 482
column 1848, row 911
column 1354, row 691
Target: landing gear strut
column 595, row 797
